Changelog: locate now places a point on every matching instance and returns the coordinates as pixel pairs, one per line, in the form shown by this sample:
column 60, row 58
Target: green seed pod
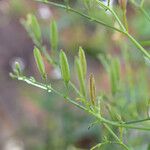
column 92, row 89
column 83, row 61
column 34, row 26
column 65, row 71
column 53, row 35
column 80, row 76
column 39, row 62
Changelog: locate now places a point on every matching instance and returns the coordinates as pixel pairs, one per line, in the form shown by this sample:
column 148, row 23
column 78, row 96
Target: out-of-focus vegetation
column 49, row 122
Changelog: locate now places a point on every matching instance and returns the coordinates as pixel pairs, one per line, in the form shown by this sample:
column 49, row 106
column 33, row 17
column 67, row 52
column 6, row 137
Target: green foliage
column 111, row 108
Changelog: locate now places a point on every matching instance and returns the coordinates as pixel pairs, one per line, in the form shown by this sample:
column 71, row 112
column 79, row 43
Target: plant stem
column 102, row 23
column 137, row 121
column 115, row 136
column 80, row 13
column 97, row 116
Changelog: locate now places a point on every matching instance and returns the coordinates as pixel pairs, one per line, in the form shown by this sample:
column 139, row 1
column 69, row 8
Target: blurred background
column 31, row 119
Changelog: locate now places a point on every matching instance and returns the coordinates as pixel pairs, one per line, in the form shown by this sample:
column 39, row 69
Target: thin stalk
column 113, row 13
column 99, row 145
column 69, row 9
column 102, row 23
column 125, row 19
column 115, row 136
column 97, row 116
column 138, row 45
column 75, row 89
column 137, row 121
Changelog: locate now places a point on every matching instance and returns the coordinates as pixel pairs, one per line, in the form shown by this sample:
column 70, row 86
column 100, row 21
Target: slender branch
column 145, row 13
column 113, row 13
column 115, row 136
column 97, row 116
column 137, row 121
column 99, row 145
column 80, row 13
column 142, row 50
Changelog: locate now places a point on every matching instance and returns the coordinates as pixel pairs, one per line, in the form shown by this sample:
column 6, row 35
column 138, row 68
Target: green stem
column 99, row 145
column 75, row 89
column 79, row 13
column 138, row 45
column 97, row 116
column 125, row 19
column 102, row 23
column 137, row 121
column 115, row 136
column 113, row 13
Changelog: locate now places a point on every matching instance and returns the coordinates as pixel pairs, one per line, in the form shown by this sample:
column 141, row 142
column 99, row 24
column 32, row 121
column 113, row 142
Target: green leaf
column 83, row 61
column 34, row 27
column 53, row 35
column 80, row 76
column 39, row 62
column 65, row 71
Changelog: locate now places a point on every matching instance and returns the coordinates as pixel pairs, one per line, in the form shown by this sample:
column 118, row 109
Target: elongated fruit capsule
column 53, row 35
column 35, row 27
column 39, row 62
column 92, row 89
column 65, row 71
column 83, row 61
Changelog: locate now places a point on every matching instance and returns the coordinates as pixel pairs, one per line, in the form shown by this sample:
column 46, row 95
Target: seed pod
column 83, row 61
column 39, row 62
column 53, row 35
column 65, row 71
column 34, row 25
column 123, row 4
column 92, row 89
column 80, row 76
